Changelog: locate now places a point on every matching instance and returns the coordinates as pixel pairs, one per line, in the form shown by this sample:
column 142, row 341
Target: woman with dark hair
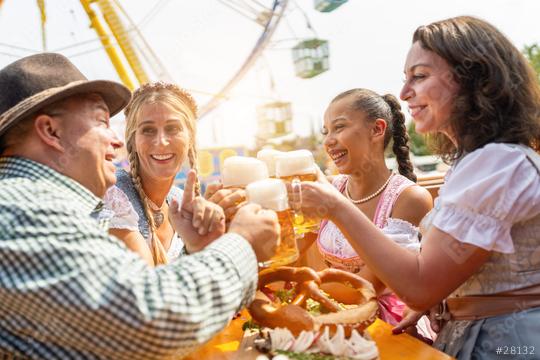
column 467, row 84
column 359, row 124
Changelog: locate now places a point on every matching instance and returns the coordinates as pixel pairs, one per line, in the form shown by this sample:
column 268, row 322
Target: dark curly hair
column 385, row 107
column 499, row 95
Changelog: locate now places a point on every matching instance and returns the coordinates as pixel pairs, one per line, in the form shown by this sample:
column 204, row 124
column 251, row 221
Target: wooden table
column 226, row 344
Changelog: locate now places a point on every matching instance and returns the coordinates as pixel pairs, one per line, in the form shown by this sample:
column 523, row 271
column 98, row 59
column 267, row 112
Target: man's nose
column 115, row 141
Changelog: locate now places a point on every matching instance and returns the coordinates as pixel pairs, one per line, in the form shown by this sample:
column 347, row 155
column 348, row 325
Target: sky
column 202, row 43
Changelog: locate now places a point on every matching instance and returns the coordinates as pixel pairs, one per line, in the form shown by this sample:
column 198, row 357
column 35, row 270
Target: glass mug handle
column 296, row 203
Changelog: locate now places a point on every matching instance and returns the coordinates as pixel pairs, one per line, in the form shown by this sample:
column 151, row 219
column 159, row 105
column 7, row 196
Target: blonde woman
column 160, row 136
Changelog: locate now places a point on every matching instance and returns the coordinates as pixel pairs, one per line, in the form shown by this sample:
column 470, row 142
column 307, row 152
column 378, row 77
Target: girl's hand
column 410, row 318
column 316, row 199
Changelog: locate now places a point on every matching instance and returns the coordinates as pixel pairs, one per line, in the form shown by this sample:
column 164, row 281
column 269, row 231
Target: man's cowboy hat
column 33, row 82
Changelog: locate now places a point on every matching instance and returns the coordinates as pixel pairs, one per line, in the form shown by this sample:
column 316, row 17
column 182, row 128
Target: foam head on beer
column 238, row 171
column 298, row 162
column 269, row 193
column 269, row 158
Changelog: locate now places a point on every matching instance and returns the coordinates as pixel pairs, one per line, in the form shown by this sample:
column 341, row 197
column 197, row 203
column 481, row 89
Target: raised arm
column 420, row 280
column 88, row 295
column 475, row 217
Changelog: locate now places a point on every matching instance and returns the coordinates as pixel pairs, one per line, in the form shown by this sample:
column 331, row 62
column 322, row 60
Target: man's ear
column 378, row 128
column 49, row 130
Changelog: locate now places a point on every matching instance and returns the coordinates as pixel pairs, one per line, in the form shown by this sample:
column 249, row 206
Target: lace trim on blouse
column 337, row 250
column 119, row 210
column 121, row 215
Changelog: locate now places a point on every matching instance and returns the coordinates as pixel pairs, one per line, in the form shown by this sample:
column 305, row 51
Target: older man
column 67, row 289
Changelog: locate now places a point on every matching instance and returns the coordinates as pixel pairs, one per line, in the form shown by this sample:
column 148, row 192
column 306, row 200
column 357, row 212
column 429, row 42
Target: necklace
column 157, row 212
column 369, row 197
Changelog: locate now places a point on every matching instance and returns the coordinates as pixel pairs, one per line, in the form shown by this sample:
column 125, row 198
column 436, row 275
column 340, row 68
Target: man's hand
column 197, row 220
column 260, row 228
column 230, row 200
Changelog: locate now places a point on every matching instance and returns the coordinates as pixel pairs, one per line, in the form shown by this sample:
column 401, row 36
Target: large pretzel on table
column 341, row 286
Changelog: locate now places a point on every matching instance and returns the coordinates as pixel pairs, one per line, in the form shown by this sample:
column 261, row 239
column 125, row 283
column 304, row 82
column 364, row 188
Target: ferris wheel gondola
column 328, row 5
column 311, row 58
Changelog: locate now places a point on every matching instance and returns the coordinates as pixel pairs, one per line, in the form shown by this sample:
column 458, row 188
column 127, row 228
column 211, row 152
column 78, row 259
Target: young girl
column 359, row 124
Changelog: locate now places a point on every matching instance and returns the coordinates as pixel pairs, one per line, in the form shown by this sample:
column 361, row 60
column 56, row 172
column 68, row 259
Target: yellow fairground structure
column 106, row 11
column 120, row 34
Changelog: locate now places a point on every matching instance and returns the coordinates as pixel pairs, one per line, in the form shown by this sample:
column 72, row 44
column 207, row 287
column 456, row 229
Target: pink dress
column 338, row 253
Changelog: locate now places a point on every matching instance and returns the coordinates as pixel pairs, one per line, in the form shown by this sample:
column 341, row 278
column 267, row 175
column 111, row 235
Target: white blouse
column 485, row 194
column 123, row 216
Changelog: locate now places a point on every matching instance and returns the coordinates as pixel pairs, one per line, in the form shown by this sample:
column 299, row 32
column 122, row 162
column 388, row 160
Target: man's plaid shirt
column 69, row 290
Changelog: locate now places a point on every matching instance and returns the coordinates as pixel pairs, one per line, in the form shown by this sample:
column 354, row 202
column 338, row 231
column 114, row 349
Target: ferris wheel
column 131, row 54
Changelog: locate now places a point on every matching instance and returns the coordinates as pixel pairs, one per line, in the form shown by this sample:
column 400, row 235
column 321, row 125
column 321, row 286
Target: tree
column 417, row 142
column 532, row 53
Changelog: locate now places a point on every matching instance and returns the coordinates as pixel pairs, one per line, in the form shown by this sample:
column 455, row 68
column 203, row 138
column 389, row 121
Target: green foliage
column 417, row 142
column 532, row 53
column 250, row 325
column 285, row 295
column 313, row 307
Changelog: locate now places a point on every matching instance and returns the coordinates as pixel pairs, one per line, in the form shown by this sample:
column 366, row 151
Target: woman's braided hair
column 183, row 103
column 385, row 107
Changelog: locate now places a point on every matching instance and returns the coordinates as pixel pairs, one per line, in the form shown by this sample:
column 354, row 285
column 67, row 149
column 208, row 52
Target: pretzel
column 341, row 286
column 287, row 273
column 264, row 311
column 310, row 290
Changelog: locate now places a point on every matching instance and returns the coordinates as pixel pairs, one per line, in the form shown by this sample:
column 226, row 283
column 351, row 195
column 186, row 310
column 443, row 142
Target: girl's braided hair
column 385, row 107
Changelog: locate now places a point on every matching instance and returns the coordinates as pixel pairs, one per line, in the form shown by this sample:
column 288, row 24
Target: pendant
column 158, row 218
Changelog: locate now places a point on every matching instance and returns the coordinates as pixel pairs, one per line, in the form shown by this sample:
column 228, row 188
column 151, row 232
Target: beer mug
column 272, row 194
column 238, row 171
column 268, row 156
column 294, row 167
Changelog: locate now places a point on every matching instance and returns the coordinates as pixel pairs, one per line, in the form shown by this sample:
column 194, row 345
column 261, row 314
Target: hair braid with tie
column 400, row 138
column 159, row 254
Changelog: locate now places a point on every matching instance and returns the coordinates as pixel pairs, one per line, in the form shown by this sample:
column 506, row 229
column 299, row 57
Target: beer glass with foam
column 268, row 156
column 272, row 194
column 293, row 167
column 238, row 171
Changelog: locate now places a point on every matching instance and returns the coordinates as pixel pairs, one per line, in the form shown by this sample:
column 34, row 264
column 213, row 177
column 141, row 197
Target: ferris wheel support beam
column 107, row 45
column 261, row 44
column 121, row 35
column 43, row 18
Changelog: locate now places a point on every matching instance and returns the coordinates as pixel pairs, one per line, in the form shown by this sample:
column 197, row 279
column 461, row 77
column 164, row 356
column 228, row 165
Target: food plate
column 301, row 311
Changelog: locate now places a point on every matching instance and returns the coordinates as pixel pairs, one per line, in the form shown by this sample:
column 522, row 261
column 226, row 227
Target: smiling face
column 161, row 141
column 347, row 135
column 430, row 90
column 89, row 143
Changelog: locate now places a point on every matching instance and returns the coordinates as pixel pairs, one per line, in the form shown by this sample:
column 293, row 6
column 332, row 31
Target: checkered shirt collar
column 19, row 167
